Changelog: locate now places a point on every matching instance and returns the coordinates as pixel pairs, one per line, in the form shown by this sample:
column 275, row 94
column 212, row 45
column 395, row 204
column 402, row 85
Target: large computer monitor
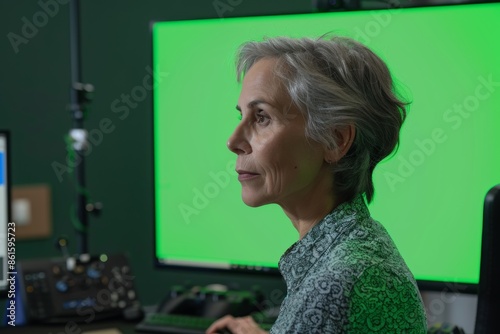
column 4, row 209
column 429, row 195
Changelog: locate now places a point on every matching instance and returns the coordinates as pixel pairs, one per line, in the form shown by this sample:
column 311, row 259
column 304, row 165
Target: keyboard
column 178, row 324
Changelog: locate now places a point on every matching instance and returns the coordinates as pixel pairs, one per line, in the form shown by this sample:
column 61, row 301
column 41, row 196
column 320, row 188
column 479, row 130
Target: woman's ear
column 344, row 138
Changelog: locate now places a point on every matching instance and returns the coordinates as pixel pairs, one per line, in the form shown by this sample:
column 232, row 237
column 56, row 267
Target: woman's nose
column 238, row 142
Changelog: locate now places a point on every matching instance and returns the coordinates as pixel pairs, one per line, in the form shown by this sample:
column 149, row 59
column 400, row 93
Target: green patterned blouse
column 347, row 276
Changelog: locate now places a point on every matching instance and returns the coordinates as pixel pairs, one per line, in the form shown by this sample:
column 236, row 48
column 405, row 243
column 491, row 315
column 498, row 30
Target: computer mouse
column 225, row 330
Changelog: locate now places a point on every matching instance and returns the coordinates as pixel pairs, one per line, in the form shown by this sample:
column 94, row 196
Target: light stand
column 80, row 99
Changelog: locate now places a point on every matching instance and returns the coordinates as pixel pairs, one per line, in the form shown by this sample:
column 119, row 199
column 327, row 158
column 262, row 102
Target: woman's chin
column 253, row 201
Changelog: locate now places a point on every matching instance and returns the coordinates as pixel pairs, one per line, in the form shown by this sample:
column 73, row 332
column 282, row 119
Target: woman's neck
column 310, row 211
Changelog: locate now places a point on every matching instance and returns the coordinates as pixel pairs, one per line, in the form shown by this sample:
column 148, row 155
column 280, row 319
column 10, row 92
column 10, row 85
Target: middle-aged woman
column 317, row 117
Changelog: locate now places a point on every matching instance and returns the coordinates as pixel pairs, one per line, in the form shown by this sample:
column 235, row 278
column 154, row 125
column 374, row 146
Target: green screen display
column 429, row 195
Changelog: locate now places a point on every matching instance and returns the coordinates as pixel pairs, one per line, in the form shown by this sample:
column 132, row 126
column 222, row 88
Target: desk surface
column 97, row 327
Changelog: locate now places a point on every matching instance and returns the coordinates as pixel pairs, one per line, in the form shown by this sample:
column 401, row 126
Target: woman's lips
column 244, row 175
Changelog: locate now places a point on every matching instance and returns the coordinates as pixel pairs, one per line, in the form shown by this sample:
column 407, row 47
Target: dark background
column 34, row 96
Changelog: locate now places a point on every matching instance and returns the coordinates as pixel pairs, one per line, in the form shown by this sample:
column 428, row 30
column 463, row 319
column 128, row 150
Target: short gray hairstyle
column 336, row 82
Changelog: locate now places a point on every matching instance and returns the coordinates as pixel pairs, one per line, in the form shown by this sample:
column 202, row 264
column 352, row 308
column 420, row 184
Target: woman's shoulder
column 366, row 240
column 365, row 245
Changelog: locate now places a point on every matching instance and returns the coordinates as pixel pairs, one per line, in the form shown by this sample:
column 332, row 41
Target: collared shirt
column 347, row 276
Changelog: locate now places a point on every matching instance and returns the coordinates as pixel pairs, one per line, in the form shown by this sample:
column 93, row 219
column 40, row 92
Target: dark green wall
column 34, row 94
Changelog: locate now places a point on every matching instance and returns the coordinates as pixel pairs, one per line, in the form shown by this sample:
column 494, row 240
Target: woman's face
column 276, row 163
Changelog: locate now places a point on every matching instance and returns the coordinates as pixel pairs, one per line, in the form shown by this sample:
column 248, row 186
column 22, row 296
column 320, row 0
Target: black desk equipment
column 193, row 310
column 488, row 299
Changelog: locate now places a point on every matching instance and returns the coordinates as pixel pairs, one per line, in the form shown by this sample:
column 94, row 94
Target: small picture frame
column 31, row 211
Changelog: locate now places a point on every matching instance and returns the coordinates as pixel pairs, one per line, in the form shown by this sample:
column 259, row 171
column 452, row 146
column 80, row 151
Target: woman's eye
column 262, row 119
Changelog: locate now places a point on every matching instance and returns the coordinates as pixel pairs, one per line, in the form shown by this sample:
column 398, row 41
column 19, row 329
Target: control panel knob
column 62, row 286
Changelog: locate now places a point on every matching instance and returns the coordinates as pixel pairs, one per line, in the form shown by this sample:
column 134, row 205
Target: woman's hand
column 244, row 325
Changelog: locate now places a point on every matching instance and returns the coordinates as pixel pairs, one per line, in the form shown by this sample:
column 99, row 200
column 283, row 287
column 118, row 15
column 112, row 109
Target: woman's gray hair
column 337, row 82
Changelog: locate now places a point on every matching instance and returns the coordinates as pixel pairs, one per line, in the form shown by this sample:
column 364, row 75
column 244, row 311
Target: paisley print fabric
column 347, row 276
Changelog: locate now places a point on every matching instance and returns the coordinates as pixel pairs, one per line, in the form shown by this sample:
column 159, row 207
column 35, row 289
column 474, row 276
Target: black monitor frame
column 488, row 302
column 424, row 285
